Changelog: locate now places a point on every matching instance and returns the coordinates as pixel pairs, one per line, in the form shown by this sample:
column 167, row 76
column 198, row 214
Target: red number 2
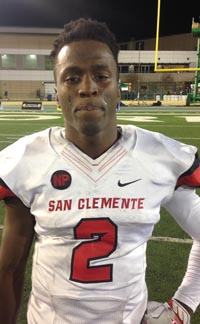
column 103, row 233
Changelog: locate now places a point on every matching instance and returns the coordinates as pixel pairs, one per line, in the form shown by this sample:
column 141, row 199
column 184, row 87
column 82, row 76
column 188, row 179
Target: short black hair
column 85, row 29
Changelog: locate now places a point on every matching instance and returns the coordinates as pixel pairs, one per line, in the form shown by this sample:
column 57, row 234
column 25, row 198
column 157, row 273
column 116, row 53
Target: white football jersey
column 93, row 220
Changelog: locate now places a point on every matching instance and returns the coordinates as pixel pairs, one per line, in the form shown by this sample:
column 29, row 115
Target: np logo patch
column 61, row 179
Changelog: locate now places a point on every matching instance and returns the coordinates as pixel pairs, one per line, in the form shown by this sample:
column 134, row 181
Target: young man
column 93, row 200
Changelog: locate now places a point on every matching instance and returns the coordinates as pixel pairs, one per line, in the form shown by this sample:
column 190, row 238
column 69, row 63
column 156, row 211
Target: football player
column 88, row 195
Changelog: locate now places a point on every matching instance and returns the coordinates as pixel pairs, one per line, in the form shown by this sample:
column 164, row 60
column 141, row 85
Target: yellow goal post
column 156, row 65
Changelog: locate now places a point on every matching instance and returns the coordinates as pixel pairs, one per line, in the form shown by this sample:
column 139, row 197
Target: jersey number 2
column 102, row 233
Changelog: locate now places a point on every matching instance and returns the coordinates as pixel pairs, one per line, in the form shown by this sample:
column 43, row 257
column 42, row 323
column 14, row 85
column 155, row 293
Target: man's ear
column 119, row 93
column 56, row 95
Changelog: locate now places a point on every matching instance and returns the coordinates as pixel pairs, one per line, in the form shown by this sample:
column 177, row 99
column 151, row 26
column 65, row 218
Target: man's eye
column 72, row 79
column 102, row 77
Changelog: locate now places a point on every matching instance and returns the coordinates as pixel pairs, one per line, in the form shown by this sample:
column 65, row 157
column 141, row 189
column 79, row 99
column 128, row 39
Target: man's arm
column 184, row 206
column 18, row 233
column 189, row 291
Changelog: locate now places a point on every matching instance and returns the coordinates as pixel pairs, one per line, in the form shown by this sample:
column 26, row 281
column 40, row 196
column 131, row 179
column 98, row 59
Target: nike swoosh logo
column 127, row 183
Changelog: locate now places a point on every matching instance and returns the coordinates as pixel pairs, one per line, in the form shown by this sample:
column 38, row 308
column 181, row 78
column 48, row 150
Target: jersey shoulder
column 164, row 155
column 25, row 158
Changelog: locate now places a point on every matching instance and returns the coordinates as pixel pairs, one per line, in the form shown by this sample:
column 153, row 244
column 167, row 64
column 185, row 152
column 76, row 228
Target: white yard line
column 170, row 239
column 187, row 138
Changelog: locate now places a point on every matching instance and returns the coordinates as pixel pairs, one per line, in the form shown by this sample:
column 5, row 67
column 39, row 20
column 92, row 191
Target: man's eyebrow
column 71, row 69
column 77, row 69
column 100, row 66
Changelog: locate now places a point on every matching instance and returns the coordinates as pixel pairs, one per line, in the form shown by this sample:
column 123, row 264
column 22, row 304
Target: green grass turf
column 166, row 260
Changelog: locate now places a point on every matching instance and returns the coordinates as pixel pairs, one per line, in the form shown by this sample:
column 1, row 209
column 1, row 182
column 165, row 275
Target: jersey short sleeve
column 191, row 177
column 167, row 160
column 21, row 163
column 188, row 161
column 9, row 159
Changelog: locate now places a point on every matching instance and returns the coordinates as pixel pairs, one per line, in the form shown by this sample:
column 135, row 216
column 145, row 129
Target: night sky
column 136, row 19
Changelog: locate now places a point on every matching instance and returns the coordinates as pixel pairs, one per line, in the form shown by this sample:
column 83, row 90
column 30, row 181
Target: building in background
column 26, row 69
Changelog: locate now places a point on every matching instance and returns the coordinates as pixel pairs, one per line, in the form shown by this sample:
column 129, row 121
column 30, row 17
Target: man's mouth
column 88, row 108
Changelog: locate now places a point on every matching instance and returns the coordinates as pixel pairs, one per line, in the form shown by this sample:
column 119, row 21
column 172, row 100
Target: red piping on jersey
column 191, row 180
column 5, row 193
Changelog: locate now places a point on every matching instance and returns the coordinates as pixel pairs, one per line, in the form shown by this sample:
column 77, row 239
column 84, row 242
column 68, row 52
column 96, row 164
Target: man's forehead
column 87, row 49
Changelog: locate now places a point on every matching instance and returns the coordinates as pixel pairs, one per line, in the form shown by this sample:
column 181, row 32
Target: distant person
column 38, row 94
column 118, row 108
column 89, row 194
column 6, row 94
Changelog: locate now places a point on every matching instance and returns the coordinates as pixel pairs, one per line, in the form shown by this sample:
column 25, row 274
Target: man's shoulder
column 33, row 146
column 43, row 134
column 156, row 148
column 39, row 137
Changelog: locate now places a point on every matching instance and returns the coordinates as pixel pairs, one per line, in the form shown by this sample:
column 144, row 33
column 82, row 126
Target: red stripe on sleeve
column 191, row 180
column 6, row 193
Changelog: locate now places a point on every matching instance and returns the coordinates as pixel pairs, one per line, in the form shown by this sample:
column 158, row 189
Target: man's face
column 87, row 87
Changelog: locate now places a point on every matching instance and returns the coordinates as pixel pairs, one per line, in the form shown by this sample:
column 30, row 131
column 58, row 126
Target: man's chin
column 90, row 130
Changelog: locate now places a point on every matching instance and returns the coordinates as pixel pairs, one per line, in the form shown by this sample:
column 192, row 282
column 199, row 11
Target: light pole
column 138, row 85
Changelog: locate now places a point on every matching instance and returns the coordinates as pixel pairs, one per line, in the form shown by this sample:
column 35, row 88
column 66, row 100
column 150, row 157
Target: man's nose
column 88, row 87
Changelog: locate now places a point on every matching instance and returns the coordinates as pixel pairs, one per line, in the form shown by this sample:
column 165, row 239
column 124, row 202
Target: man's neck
column 94, row 146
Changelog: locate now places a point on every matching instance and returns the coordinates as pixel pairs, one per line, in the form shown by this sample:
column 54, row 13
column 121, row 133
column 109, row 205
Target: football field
column 169, row 247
